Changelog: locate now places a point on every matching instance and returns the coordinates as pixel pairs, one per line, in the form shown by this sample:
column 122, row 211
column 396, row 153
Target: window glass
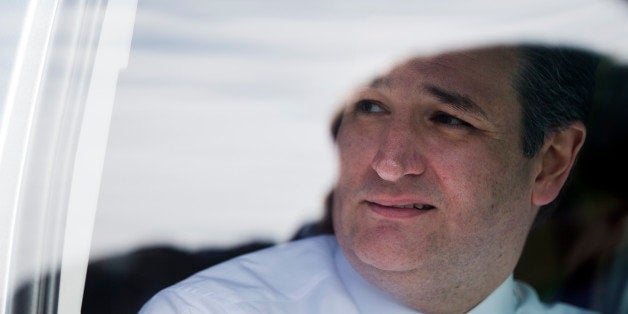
column 219, row 132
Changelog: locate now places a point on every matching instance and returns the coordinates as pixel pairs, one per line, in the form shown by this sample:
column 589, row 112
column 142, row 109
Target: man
column 445, row 162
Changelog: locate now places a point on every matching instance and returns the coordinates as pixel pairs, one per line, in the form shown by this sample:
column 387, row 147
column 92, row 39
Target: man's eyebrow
column 456, row 100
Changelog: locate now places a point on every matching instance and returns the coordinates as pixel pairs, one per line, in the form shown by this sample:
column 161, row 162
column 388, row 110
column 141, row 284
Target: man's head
column 437, row 187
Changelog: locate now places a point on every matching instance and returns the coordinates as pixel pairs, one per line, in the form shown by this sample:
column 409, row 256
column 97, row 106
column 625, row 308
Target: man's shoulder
column 529, row 302
column 282, row 274
column 280, row 266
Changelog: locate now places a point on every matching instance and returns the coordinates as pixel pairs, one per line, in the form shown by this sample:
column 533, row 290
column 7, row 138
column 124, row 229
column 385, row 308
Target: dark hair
column 555, row 87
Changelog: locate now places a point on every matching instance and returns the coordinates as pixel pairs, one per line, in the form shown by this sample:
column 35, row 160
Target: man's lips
column 400, row 202
column 396, row 209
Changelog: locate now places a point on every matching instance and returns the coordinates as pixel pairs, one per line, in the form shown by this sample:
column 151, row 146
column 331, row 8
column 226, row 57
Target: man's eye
column 449, row 120
column 369, row 106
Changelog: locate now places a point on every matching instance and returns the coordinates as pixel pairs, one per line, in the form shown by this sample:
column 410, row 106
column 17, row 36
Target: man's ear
column 556, row 159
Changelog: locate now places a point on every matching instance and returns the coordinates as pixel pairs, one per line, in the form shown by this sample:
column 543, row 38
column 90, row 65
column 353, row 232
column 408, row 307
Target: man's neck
column 429, row 293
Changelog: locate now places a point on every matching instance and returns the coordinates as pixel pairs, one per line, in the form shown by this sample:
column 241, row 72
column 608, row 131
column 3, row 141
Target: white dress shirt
column 312, row 276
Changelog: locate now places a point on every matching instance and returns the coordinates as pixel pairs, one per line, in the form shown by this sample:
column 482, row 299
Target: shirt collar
column 502, row 300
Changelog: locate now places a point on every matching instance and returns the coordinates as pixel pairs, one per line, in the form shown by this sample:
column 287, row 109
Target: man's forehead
column 489, row 70
column 496, row 55
column 481, row 61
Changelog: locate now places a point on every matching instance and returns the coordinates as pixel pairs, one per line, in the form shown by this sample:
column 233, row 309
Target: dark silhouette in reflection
column 122, row 284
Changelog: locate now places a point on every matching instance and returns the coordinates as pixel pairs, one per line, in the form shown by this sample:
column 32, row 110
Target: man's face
column 439, row 137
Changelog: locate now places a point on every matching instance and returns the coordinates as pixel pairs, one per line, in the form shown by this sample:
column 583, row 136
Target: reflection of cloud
column 243, row 79
column 371, row 27
column 220, row 126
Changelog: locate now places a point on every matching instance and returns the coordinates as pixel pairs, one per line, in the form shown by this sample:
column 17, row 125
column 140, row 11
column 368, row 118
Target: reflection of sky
column 220, row 126
column 11, row 17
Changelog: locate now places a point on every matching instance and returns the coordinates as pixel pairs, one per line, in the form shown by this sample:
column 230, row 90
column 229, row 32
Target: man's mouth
column 392, row 210
column 419, row 206
column 415, row 206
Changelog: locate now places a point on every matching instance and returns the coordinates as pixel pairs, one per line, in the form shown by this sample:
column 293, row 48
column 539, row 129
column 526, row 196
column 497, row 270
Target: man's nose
column 398, row 154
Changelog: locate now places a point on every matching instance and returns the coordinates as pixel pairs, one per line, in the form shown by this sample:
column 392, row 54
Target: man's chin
column 382, row 254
